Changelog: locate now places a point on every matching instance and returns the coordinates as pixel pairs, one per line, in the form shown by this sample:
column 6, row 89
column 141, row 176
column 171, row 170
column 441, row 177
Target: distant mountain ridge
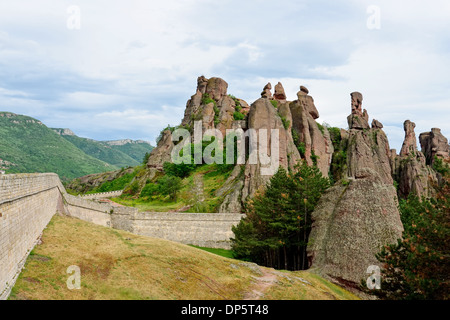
column 27, row 145
column 120, row 153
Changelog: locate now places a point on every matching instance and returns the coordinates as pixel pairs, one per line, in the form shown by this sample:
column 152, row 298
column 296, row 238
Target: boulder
column 307, row 102
column 376, row 124
column 162, row 152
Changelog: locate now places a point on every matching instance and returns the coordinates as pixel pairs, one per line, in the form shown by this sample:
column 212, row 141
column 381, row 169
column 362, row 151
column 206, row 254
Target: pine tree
column 418, row 266
column 276, row 229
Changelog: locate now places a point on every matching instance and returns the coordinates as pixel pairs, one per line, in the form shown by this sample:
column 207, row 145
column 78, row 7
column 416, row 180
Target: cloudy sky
column 125, row 69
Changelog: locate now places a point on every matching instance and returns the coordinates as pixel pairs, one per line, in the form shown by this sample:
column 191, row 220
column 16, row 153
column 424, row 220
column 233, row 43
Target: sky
column 125, row 69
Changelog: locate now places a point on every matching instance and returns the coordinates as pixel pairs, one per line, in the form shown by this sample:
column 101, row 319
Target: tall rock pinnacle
column 410, row 142
column 359, row 119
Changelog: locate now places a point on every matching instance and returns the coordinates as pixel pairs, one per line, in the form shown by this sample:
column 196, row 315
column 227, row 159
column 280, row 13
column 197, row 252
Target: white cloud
column 131, row 60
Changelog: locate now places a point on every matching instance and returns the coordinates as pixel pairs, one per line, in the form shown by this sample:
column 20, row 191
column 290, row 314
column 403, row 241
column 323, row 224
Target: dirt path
column 261, row 285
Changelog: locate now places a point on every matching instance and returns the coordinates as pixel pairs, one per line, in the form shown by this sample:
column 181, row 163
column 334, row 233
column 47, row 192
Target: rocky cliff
column 216, row 109
column 358, row 215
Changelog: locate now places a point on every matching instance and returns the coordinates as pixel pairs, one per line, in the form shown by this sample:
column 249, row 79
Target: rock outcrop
column 241, row 186
column 279, row 93
column 434, row 144
column 358, row 215
column 267, row 93
column 409, row 144
column 359, row 119
column 409, row 168
column 315, row 138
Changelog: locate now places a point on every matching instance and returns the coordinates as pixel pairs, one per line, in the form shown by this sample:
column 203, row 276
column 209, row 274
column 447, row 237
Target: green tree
column 418, row 265
column 276, row 229
column 146, row 157
column 170, row 185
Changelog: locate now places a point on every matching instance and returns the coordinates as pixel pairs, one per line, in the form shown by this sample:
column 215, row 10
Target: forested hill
column 27, row 145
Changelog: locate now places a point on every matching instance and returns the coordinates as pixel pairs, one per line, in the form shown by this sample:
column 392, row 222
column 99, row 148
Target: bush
column 274, row 103
column 170, row 185
column 286, row 123
column 238, row 116
column 150, row 190
column 178, row 170
column 206, row 99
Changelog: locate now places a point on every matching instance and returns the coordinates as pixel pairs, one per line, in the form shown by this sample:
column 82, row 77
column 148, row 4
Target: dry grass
column 116, row 265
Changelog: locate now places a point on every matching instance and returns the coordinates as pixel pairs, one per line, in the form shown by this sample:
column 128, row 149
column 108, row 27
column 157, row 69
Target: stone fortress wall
column 29, row 201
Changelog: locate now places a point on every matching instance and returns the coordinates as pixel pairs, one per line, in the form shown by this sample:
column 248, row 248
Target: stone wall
column 211, row 230
column 102, row 195
column 91, row 211
column 27, row 203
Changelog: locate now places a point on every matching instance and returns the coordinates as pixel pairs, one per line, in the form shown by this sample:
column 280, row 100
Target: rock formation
column 249, row 180
column 267, row 93
column 358, row 215
column 317, row 143
column 409, row 168
column 359, row 119
column 410, row 143
column 434, row 144
column 279, row 94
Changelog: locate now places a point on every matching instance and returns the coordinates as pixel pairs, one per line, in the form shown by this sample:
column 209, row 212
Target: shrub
column 181, row 170
column 170, row 185
column 286, row 123
column 274, row 103
column 238, row 116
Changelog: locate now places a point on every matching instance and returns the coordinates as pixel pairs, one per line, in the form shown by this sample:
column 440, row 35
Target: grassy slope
column 102, row 151
column 36, row 148
column 119, row 265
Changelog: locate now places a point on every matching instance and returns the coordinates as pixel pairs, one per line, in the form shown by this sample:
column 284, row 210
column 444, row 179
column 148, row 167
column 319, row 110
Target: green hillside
column 135, row 149
column 27, row 145
column 102, row 151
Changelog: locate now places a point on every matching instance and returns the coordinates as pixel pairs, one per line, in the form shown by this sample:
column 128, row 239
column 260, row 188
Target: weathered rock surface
column 376, row 124
column 434, row 144
column 162, row 153
column 262, row 116
column 351, row 224
column 318, row 145
column 279, row 94
column 216, row 88
column 353, row 220
column 410, row 170
column 409, row 144
column 267, row 93
column 359, row 119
